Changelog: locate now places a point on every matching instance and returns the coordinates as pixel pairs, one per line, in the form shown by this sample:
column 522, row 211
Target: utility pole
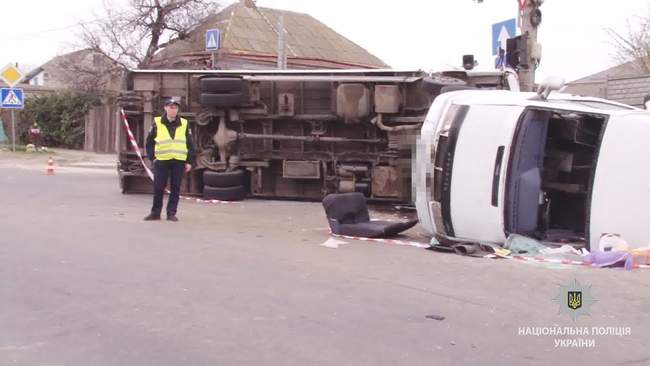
column 530, row 19
column 282, row 45
column 529, row 51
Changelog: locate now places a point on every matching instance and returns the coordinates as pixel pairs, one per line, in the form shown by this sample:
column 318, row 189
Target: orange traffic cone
column 50, row 166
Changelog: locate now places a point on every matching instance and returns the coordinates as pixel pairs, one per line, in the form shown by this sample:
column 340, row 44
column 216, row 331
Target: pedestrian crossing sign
column 212, row 39
column 12, row 98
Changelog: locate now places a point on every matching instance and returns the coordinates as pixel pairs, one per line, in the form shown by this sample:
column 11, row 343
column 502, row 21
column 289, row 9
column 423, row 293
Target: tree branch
column 133, row 35
column 634, row 45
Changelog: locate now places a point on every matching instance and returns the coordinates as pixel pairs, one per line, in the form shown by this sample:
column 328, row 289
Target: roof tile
column 249, row 31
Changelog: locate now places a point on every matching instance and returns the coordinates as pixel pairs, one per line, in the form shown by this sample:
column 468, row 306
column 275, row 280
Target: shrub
column 60, row 117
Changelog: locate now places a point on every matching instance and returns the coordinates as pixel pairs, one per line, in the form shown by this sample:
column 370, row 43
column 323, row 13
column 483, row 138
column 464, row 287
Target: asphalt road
column 84, row 281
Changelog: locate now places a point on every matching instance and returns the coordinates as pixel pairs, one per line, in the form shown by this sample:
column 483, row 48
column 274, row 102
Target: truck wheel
column 236, row 193
column 221, row 100
column 221, row 85
column 223, row 179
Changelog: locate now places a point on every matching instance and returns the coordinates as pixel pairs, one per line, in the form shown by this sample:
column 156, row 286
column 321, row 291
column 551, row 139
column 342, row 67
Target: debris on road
column 347, row 214
column 435, row 317
column 333, row 243
column 530, row 250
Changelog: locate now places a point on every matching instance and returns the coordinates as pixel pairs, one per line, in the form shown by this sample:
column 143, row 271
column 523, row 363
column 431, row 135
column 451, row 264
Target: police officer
column 169, row 146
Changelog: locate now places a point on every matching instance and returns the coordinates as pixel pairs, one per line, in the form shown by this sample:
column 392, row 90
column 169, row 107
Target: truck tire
column 221, row 100
column 451, row 88
column 236, row 193
column 223, row 179
column 221, row 85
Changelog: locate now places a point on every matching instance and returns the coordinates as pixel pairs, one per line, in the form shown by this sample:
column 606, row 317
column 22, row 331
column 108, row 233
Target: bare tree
column 132, row 36
column 634, row 44
column 87, row 70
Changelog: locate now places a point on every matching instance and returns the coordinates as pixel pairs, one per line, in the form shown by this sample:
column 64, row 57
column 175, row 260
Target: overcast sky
column 419, row 34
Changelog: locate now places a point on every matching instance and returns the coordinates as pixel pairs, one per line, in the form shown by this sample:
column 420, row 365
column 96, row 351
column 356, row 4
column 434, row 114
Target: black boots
column 152, row 217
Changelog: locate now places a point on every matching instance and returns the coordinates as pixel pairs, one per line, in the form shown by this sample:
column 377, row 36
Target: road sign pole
column 12, row 97
column 212, row 44
column 13, row 131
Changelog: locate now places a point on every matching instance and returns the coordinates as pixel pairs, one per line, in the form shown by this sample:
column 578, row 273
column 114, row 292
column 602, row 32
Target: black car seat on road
column 347, row 214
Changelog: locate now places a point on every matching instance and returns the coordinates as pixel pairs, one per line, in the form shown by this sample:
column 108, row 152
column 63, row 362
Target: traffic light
column 517, row 52
column 468, row 62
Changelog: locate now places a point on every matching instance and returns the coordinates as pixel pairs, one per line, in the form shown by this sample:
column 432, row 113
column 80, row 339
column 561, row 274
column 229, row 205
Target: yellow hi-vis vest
column 168, row 148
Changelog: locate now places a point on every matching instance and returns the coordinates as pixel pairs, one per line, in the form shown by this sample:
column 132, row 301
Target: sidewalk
column 63, row 158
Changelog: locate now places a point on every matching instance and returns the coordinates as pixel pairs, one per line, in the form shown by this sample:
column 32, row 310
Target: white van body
column 492, row 163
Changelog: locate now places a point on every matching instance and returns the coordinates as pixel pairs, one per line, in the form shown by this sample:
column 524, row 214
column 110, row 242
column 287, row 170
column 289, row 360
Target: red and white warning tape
column 516, row 257
column 200, row 200
column 385, row 241
column 549, row 260
column 560, row 261
column 134, row 143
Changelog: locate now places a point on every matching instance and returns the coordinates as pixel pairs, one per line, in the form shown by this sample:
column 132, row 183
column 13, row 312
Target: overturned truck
column 291, row 134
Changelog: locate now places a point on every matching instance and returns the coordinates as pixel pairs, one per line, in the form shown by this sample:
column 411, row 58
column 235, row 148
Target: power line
column 58, row 29
column 51, row 30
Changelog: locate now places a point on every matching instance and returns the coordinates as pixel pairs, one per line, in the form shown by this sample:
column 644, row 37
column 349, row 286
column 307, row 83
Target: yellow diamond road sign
column 10, row 75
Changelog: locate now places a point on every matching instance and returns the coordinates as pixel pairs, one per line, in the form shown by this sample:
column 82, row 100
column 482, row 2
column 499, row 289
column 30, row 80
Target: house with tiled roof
column 624, row 83
column 249, row 40
column 84, row 69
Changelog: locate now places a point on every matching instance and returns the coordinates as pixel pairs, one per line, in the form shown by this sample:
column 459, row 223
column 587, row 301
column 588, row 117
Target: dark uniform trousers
column 172, row 171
